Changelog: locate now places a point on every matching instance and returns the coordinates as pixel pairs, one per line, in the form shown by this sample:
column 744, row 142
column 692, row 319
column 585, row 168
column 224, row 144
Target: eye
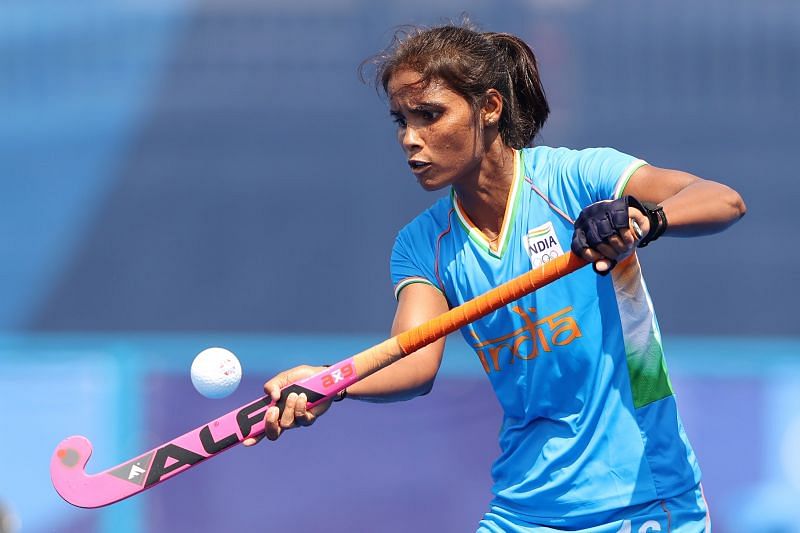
column 427, row 113
column 430, row 116
column 398, row 119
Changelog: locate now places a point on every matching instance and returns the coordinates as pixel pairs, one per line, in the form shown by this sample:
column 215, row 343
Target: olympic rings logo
column 539, row 260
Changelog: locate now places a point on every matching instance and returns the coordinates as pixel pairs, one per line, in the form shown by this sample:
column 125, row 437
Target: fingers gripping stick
column 68, row 463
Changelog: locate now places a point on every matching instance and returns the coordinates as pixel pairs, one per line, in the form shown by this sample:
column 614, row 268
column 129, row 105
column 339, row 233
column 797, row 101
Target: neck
column 484, row 196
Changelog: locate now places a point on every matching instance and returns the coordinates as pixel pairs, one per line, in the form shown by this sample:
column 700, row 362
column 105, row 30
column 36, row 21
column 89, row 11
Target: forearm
column 702, row 208
column 408, row 378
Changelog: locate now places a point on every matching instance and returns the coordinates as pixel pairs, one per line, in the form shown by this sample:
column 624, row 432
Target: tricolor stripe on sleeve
column 409, row 281
column 626, row 176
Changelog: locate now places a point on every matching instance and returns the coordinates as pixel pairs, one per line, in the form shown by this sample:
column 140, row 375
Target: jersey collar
column 512, row 204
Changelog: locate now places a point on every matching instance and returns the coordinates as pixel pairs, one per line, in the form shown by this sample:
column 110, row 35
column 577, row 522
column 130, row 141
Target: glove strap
column 655, row 214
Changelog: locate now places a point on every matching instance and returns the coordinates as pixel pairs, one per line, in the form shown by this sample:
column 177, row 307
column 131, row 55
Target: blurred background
column 187, row 173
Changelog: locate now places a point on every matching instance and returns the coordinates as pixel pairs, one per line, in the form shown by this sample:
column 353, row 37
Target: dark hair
column 470, row 63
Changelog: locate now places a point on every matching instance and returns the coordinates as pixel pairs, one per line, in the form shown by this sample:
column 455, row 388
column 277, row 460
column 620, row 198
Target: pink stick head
column 68, row 473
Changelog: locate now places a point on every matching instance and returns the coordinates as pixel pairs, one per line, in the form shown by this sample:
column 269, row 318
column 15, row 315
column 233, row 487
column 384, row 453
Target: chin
column 429, row 187
column 432, row 185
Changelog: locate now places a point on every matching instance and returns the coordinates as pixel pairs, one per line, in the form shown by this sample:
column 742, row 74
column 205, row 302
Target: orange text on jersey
column 529, row 341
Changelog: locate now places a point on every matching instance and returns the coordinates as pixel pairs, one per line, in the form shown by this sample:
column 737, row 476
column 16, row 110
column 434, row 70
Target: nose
column 410, row 139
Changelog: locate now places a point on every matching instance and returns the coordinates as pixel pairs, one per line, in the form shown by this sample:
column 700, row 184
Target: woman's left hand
column 607, row 232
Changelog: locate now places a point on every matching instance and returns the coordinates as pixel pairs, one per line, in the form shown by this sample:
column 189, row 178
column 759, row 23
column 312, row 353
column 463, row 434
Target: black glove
column 602, row 220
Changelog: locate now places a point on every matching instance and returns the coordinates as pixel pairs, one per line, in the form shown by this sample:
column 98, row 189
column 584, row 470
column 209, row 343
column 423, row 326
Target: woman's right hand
column 294, row 413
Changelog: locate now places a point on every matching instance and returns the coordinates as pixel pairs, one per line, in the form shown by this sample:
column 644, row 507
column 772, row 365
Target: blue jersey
column 590, row 422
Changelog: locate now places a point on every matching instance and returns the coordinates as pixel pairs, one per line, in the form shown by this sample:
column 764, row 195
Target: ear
column 492, row 108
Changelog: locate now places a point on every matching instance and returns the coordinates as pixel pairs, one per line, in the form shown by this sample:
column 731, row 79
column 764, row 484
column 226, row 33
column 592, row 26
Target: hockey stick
column 68, row 463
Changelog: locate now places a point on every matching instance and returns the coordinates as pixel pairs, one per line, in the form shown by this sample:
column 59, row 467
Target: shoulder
column 429, row 224
column 563, row 157
column 568, row 165
column 543, row 164
column 575, row 178
column 414, row 252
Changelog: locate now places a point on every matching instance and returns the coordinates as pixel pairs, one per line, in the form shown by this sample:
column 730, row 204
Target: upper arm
column 654, row 184
column 416, row 304
column 419, row 299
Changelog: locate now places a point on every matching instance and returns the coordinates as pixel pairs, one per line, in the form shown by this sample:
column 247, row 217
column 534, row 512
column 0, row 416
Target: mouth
column 417, row 166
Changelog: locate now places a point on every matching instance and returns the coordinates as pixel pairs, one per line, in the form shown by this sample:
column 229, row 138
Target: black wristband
column 655, row 214
column 341, row 395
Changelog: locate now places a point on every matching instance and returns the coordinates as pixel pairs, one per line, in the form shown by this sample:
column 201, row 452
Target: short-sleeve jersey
column 590, row 422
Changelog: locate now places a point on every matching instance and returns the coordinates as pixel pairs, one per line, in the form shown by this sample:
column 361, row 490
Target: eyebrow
column 427, row 105
column 422, row 106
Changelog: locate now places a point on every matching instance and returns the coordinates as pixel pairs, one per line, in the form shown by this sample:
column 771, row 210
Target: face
column 436, row 129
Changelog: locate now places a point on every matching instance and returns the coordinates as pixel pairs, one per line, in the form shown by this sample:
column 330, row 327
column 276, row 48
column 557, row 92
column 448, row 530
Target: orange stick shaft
column 458, row 317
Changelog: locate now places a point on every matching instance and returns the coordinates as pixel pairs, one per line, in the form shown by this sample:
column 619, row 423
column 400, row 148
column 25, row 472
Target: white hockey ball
column 216, row 372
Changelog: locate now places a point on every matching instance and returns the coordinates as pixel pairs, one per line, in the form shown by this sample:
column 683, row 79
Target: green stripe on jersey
column 648, row 372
